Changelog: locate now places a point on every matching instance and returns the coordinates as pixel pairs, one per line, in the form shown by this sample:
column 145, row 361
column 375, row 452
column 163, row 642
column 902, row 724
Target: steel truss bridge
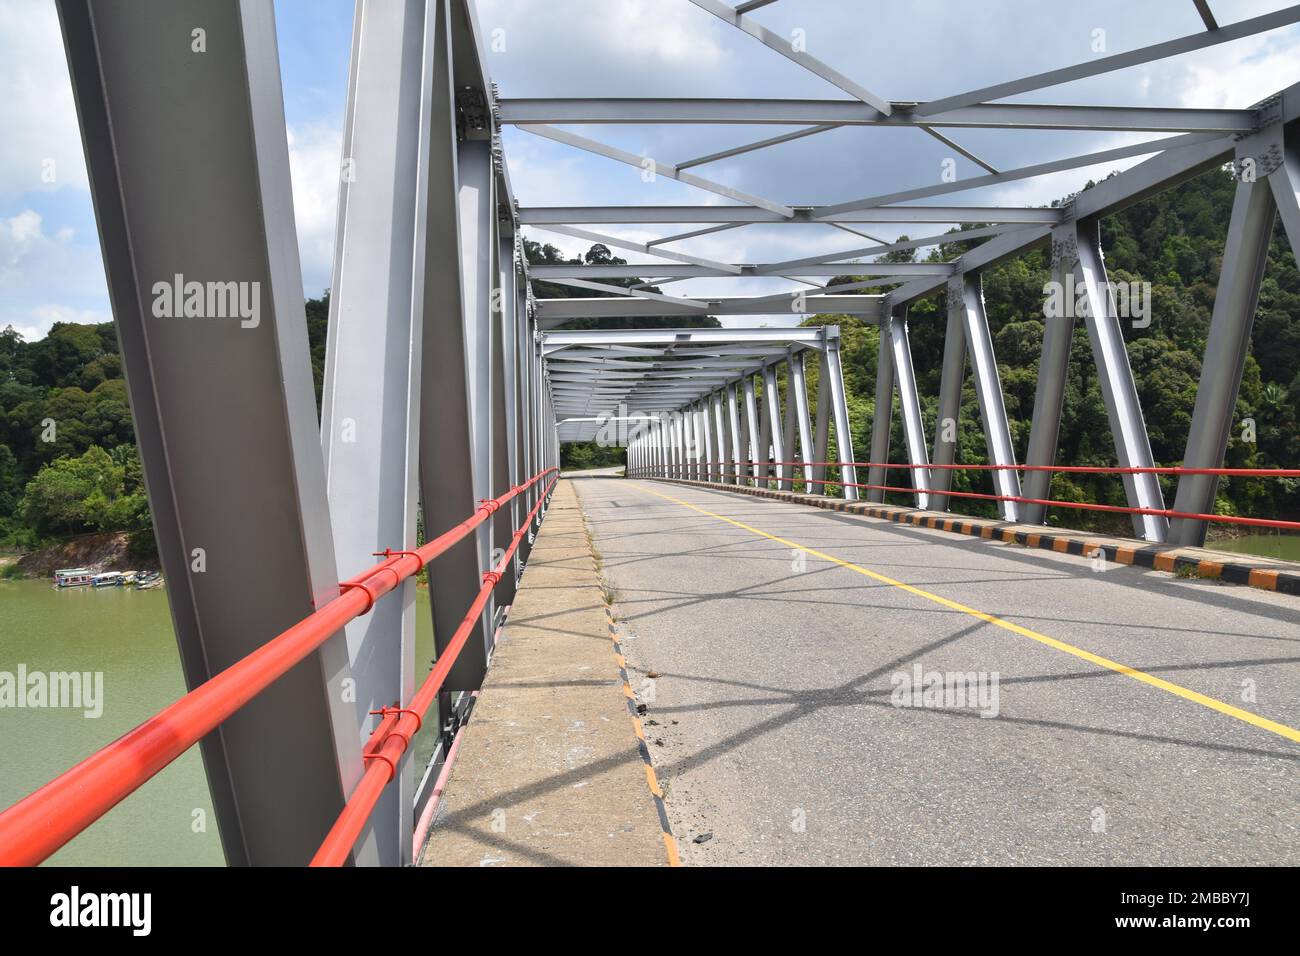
column 449, row 385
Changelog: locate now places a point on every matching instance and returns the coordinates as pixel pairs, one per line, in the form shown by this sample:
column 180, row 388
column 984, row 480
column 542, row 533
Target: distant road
column 611, row 472
column 768, row 641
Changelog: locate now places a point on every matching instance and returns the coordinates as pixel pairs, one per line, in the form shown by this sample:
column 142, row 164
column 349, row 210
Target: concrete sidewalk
column 551, row 770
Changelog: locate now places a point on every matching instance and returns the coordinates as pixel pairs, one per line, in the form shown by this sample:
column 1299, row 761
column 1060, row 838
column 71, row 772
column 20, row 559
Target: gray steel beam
column 825, row 265
column 822, row 429
column 839, row 410
column 546, row 216
column 882, row 419
column 1024, row 172
column 1132, row 446
column 1053, row 375
column 1284, row 179
column 773, row 426
column 909, row 405
column 797, row 395
column 733, row 434
column 563, row 309
column 752, row 429
column 680, row 337
column 478, row 246
column 1118, row 192
column 721, row 452
column 447, row 479
column 988, row 389
column 652, row 165
column 707, row 445
column 1245, row 255
column 370, row 405
column 1118, row 61
column 230, row 471
column 780, row 44
column 504, row 475
column 951, row 378
column 842, row 112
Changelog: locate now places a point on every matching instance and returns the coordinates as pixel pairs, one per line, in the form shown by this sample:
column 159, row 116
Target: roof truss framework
column 599, row 378
column 1195, row 132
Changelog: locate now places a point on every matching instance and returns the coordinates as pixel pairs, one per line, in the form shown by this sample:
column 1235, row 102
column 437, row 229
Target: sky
column 50, row 264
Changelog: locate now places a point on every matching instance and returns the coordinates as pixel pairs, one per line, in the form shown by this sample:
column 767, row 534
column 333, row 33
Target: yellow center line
column 1186, row 693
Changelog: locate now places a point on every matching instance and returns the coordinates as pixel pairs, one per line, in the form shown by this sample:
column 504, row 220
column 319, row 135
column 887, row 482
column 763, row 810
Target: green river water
column 127, row 635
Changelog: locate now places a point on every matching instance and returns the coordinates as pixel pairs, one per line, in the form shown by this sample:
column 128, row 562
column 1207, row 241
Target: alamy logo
column 946, row 690
column 1132, row 300
column 74, row 908
column 208, row 300
column 76, row 690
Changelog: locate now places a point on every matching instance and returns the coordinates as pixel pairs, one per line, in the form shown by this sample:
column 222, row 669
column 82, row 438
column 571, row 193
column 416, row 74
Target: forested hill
column 83, row 475
column 1175, row 241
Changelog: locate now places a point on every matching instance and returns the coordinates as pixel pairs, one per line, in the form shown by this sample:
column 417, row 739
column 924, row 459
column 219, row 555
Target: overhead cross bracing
column 615, row 383
column 1180, row 140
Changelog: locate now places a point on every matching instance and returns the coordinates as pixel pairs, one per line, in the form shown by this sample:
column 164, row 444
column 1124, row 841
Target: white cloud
column 47, row 278
column 40, row 146
column 315, row 153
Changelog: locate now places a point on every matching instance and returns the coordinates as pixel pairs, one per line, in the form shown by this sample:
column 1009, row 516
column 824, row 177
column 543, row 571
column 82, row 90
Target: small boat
column 108, row 579
column 73, row 577
column 128, row 578
column 148, row 580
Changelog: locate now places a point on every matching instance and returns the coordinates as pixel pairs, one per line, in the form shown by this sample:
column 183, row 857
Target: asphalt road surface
column 1132, row 717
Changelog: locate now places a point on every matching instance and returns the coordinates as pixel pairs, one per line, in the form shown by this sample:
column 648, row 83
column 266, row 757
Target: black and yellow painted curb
column 1157, row 557
column 629, row 697
column 670, row 842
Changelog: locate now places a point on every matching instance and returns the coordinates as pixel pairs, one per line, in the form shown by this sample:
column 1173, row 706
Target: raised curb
column 1221, row 567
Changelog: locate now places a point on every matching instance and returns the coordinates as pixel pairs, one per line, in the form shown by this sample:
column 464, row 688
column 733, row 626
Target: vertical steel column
column 822, row 436
column 189, row 173
column 909, row 404
column 797, row 397
column 1053, row 374
column 503, row 399
column 1132, row 446
column 693, row 440
column 757, row 435
column 951, row 378
column 773, row 422
column 882, row 421
column 840, row 412
column 688, row 442
column 733, row 433
column 1244, row 256
column 675, row 444
column 477, row 257
column 988, row 388
column 706, row 447
column 519, row 372
column 656, row 446
column 370, row 407
column 447, row 476
column 722, row 442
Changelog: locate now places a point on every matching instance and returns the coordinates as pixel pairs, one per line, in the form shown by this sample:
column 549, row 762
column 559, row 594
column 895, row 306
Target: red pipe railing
column 387, row 744
column 42, row 822
column 983, row 496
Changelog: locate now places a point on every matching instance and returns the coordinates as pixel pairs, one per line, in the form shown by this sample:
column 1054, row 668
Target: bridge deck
column 550, row 770
column 1141, row 718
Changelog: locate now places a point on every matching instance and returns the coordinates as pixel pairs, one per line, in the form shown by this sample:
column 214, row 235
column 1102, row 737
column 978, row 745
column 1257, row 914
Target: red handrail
column 42, row 822
column 386, row 746
column 1049, row 502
